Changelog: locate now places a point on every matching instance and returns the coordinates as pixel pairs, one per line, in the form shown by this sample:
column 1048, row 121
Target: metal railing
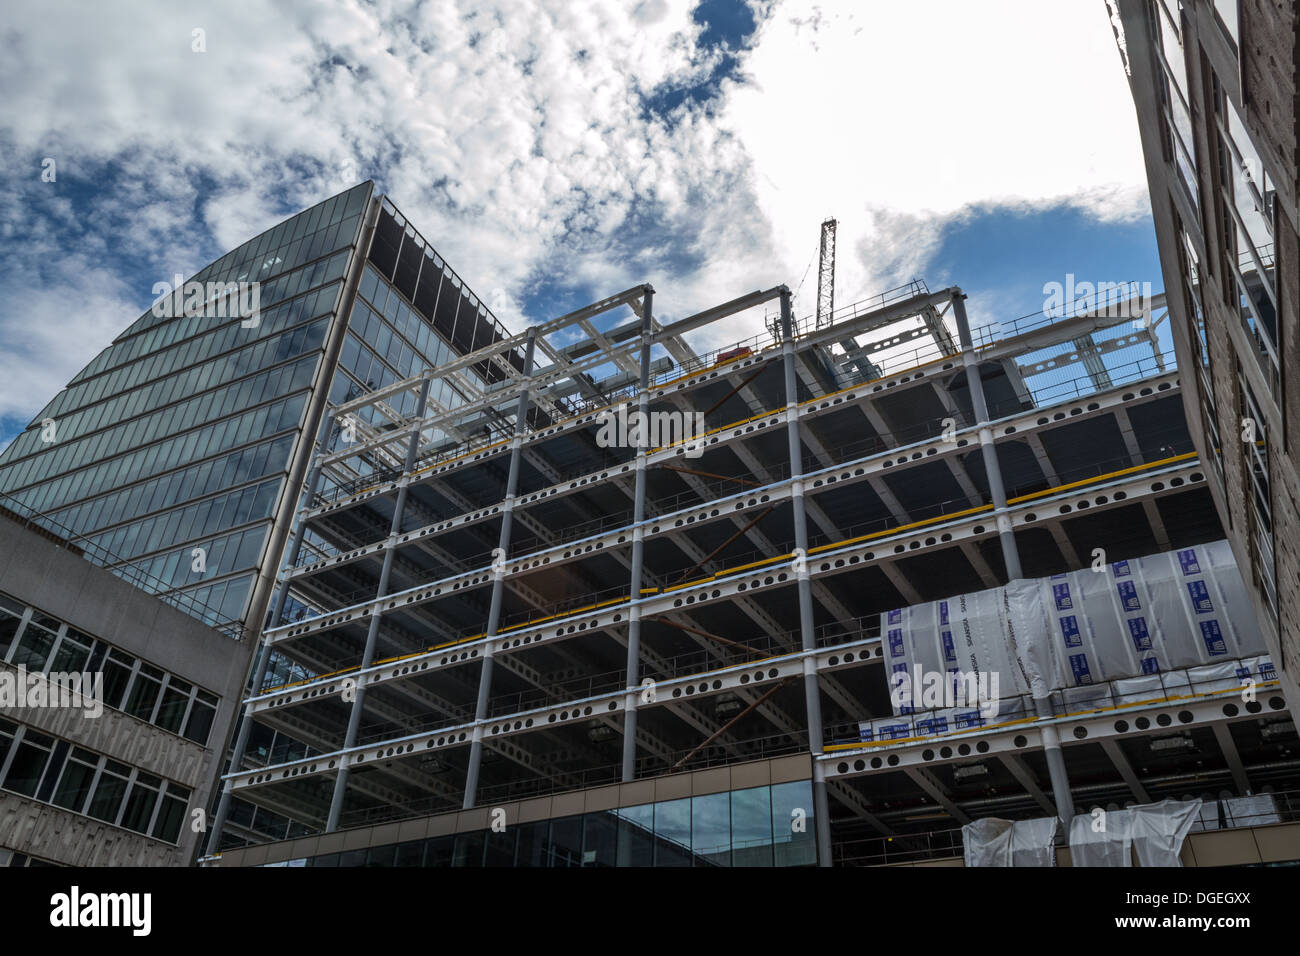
column 120, row 567
column 1217, row 813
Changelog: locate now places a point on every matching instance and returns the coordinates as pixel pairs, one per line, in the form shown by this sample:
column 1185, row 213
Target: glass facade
column 180, row 434
column 759, row 827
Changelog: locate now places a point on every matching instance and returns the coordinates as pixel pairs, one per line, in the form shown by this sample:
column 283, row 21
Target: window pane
column 170, row 818
column 673, row 833
column 532, row 844
column 600, row 839
column 174, row 701
column 11, row 615
column 34, row 647
column 500, row 849
column 108, row 797
column 74, row 785
column 469, row 849
column 751, row 827
column 711, row 829
column 409, row 854
column 117, row 673
column 793, row 833
column 438, row 851
column 636, row 836
column 200, row 721
column 139, row 808
column 74, row 651
column 29, row 763
column 144, row 692
column 381, row 855
column 566, row 842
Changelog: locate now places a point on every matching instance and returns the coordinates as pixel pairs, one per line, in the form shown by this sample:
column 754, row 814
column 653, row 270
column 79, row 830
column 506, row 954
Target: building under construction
column 622, row 602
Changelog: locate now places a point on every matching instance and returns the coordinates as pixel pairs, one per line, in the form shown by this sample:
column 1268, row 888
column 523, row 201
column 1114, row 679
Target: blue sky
column 556, row 152
column 1003, row 257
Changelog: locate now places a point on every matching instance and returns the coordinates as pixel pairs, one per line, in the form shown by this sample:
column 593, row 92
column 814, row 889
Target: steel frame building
column 496, row 643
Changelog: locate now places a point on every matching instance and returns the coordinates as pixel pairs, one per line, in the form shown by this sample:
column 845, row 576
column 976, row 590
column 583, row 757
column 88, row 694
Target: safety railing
column 120, row 567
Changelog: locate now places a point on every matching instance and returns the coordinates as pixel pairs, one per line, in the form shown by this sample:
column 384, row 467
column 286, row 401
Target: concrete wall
column 59, row 582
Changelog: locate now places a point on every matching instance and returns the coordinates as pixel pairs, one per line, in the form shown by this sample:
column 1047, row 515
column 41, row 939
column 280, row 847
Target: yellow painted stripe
column 1105, row 477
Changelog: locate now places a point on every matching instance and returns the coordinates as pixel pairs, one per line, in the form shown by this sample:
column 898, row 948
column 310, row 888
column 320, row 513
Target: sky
column 558, row 151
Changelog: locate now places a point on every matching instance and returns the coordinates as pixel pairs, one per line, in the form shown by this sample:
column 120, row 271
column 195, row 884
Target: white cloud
column 514, row 135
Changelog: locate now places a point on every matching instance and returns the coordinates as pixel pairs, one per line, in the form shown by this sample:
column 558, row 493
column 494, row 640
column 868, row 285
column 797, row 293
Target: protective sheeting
column 1125, row 622
column 946, row 720
column 1207, row 679
column 995, row 842
column 1102, row 839
column 1160, row 828
column 1155, row 830
column 1255, row 810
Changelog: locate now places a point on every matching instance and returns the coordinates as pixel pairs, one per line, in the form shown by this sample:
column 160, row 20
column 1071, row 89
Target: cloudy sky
column 556, row 151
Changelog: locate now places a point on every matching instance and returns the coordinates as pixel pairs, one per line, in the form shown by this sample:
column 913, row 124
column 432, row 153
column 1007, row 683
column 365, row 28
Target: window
column 141, row 801
column 673, row 833
column 171, row 813
column 117, row 675
column 73, row 652
column 636, row 835
column 600, row 839
column 28, row 762
column 76, row 780
column 1259, row 500
column 711, row 829
column 565, row 845
column 202, row 711
column 110, row 790
column 793, row 833
column 175, row 701
column 1226, row 11
column 36, row 642
column 7, row 731
column 751, row 827
column 11, row 619
column 144, row 691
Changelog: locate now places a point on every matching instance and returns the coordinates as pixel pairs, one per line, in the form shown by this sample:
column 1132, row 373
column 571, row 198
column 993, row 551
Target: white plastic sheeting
column 995, row 842
column 1256, row 810
column 1160, row 828
column 1132, row 619
column 1155, row 830
column 1210, row 678
column 1102, row 840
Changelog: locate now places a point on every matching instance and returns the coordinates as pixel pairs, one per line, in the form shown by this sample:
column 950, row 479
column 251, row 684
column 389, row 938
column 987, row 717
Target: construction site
column 629, row 600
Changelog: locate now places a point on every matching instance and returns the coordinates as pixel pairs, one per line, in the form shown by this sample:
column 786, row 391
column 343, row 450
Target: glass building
column 194, row 428
column 755, row 827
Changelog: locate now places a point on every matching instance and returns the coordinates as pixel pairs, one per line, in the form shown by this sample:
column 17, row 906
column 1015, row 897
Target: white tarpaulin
column 1255, row 810
column 995, row 842
column 1131, row 619
column 1102, row 839
column 1160, row 828
column 1155, row 830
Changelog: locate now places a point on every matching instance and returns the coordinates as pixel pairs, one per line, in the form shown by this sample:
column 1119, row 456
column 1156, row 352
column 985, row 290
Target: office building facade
column 176, row 458
column 119, row 775
column 193, row 429
column 1215, row 87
